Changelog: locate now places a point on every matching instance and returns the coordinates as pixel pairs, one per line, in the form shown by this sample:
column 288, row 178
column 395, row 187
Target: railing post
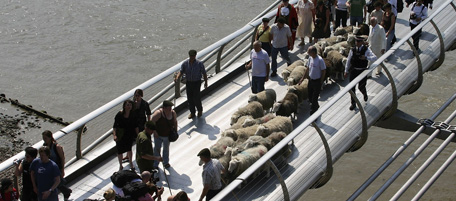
column 327, row 174
column 363, row 138
column 439, row 61
column 419, row 81
column 219, row 59
column 394, row 103
column 286, row 195
column 78, row 142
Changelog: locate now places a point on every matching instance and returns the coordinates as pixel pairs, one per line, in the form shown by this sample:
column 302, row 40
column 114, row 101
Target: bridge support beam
column 327, row 174
column 394, row 103
column 419, row 81
column 439, row 61
column 363, row 137
column 286, row 195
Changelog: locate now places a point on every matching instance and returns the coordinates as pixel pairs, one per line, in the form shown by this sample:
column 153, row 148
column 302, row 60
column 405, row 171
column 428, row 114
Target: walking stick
column 248, row 74
column 166, row 177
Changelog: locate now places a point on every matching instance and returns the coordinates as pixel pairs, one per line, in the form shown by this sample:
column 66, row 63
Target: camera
column 17, row 162
column 154, row 179
column 412, row 16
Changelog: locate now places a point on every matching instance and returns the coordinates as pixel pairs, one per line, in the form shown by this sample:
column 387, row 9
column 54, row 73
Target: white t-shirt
column 316, row 65
column 259, row 63
column 280, row 36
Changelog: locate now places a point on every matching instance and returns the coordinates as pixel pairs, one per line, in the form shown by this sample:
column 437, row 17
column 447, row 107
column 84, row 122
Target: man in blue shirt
column 45, row 175
column 194, row 70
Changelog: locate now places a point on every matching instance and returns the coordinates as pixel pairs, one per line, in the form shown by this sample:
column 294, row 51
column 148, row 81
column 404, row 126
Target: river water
column 70, row 57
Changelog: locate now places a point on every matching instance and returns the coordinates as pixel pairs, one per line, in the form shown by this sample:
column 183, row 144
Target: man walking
column 377, row 40
column 212, row 170
column 260, row 67
column 194, row 70
column 315, row 72
column 144, row 151
column 356, row 64
column 418, row 13
column 281, row 42
column 358, row 11
column 45, row 175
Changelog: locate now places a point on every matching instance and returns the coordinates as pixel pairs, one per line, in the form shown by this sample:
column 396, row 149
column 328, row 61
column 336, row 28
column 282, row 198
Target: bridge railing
column 98, row 123
column 313, row 178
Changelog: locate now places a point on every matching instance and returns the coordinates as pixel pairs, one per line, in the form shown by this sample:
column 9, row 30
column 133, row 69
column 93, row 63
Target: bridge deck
column 185, row 174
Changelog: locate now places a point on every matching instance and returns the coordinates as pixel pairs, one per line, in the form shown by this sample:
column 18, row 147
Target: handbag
column 173, row 136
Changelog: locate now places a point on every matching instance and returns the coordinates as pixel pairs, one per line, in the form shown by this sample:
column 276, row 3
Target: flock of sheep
column 263, row 122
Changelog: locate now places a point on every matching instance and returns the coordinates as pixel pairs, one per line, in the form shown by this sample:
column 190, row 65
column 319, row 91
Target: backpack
column 122, row 177
column 400, row 6
column 135, row 190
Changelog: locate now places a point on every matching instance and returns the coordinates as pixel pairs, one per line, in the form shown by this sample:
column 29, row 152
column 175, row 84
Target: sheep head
column 253, row 97
column 228, row 151
column 285, row 74
column 230, row 133
column 260, row 130
column 290, row 81
column 233, row 165
column 276, row 106
column 248, row 122
column 234, row 119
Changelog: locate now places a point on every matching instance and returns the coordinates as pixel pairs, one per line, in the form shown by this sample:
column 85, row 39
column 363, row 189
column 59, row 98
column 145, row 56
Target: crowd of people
column 43, row 177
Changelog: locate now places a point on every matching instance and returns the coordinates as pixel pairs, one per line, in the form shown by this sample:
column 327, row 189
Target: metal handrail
column 210, row 50
column 276, row 149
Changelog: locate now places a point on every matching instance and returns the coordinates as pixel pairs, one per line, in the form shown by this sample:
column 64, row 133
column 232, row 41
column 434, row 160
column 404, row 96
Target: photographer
column 418, row 13
column 22, row 169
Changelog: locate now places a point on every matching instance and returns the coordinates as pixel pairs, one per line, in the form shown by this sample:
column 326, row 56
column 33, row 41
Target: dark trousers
column 341, row 15
column 212, row 193
column 257, row 84
column 361, row 85
column 313, row 91
column 266, row 47
column 416, row 36
column 194, row 96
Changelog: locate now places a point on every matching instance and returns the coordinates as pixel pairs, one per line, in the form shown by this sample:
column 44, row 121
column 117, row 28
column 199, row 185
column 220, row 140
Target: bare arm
column 32, row 177
column 323, row 74
column 204, row 193
column 18, row 170
column 205, row 80
column 54, row 186
column 62, row 159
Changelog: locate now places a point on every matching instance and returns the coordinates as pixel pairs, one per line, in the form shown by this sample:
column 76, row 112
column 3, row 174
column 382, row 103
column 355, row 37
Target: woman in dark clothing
column 125, row 128
column 58, row 156
column 388, row 23
column 322, row 29
column 142, row 109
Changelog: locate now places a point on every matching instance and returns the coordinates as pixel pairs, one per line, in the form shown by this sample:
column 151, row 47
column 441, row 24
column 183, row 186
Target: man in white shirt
column 418, row 13
column 315, row 72
column 377, row 40
column 260, row 67
column 281, row 42
column 357, row 62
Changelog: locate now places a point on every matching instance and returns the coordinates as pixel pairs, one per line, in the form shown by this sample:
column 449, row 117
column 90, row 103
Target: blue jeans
column 355, row 19
column 389, row 39
column 158, row 141
column 283, row 52
column 257, row 84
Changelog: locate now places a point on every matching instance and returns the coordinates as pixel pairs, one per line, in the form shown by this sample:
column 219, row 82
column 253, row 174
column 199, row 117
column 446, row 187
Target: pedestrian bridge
column 317, row 145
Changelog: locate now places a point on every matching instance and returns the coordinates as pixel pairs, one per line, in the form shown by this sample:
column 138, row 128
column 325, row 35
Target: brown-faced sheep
column 287, row 106
column 300, row 90
column 267, row 98
column 254, row 108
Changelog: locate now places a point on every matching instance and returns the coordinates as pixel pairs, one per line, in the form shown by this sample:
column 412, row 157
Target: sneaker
column 200, row 113
column 273, row 74
column 167, row 166
column 352, row 107
column 190, row 116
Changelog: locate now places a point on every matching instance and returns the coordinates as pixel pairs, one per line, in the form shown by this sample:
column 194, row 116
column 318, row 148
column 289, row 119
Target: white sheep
column 300, row 90
column 226, row 158
column 267, row 98
column 275, row 138
column 287, row 106
column 240, row 122
column 343, row 30
column 242, row 134
column 286, row 72
column 245, row 159
column 296, row 75
column 279, row 123
column 219, row 148
column 252, row 141
column 251, row 121
column 342, row 47
column 254, row 108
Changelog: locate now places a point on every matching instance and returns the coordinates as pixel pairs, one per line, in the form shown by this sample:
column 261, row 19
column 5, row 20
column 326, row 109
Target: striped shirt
column 211, row 174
